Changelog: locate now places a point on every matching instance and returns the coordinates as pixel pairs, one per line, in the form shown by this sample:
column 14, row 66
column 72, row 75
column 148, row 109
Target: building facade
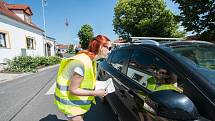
column 61, row 48
column 19, row 36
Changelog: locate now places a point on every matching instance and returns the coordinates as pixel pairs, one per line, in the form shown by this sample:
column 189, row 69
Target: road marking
column 51, row 90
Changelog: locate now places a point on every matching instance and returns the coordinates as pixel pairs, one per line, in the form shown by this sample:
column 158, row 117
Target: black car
column 192, row 66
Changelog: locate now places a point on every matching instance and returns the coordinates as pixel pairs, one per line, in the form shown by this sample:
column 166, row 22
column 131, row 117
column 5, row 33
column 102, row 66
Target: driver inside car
column 162, row 80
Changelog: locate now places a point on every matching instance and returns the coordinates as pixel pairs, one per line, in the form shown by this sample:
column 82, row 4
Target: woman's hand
column 101, row 93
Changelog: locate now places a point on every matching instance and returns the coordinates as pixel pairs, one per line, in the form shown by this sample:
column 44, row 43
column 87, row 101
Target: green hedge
column 31, row 64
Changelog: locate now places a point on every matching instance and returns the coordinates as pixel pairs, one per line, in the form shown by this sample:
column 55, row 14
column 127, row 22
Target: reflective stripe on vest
column 66, row 88
column 72, row 104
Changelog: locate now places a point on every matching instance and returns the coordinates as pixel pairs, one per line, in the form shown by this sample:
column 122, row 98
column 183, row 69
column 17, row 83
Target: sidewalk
column 5, row 77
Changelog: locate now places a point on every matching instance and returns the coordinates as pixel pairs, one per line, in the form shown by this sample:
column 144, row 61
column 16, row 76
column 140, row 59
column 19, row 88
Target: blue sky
column 97, row 13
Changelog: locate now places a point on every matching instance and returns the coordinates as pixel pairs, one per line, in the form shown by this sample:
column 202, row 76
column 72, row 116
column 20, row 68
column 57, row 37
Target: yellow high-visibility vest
column 151, row 85
column 66, row 102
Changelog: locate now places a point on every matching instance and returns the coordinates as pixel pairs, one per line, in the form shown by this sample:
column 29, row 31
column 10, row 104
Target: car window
column 151, row 71
column 200, row 57
column 109, row 57
column 139, row 67
column 118, row 59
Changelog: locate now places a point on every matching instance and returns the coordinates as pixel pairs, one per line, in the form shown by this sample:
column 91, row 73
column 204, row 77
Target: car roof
column 185, row 43
column 166, row 44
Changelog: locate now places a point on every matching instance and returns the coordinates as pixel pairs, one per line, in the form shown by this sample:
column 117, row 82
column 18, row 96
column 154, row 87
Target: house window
column 3, row 40
column 30, row 43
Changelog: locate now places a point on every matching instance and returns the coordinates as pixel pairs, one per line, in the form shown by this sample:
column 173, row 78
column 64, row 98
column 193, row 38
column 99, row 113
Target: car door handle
column 126, row 93
column 122, row 91
column 130, row 93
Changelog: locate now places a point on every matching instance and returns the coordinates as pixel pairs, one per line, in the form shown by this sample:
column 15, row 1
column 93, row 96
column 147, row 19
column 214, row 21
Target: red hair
column 94, row 45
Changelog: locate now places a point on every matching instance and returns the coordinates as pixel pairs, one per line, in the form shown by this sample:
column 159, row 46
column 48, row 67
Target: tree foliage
column 145, row 18
column 198, row 16
column 85, row 34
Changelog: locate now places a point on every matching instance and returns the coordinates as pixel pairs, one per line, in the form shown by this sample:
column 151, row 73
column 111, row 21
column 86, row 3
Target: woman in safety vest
column 74, row 92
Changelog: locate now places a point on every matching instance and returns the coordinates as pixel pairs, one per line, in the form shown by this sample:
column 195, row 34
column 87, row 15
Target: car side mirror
column 173, row 105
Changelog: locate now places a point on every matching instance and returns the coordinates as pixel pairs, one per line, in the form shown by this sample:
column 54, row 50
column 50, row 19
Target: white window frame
column 32, row 44
column 4, row 38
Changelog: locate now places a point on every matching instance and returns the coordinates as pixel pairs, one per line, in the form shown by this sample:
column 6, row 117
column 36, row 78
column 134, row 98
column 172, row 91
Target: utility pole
column 44, row 26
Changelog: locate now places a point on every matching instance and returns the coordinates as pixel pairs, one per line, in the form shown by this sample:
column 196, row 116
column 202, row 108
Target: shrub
column 22, row 64
column 41, row 61
column 53, row 60
column 30, row 64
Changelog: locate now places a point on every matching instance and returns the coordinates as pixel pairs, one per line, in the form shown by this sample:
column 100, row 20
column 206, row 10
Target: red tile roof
column 4, row 10
column 25, row 8
column 61, row 46
column 17, row 6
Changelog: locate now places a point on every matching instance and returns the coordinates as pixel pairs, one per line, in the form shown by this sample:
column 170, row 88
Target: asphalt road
column 30, row 98
column 67, row 55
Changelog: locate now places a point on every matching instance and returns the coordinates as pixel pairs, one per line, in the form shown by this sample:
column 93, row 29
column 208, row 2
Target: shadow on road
column 51, row 117
column 99, row 112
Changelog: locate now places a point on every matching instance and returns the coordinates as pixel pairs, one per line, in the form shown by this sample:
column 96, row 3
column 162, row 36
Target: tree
column 198, row 17
column 85, row 34
column 144, row 18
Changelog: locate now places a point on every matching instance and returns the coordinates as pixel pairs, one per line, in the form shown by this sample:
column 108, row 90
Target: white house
column 61, row 48
column 19, row 35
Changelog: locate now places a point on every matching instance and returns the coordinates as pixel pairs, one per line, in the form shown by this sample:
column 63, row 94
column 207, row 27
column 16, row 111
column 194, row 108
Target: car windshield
column 201, row 57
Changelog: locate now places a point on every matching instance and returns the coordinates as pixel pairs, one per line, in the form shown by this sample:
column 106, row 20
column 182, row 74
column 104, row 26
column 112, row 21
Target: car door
column 141, row 67
column 118, row 63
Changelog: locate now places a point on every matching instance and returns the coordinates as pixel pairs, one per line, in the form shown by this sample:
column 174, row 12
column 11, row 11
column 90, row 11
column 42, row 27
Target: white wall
column 17, row 37
column 19, row 13
column 53, row 50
